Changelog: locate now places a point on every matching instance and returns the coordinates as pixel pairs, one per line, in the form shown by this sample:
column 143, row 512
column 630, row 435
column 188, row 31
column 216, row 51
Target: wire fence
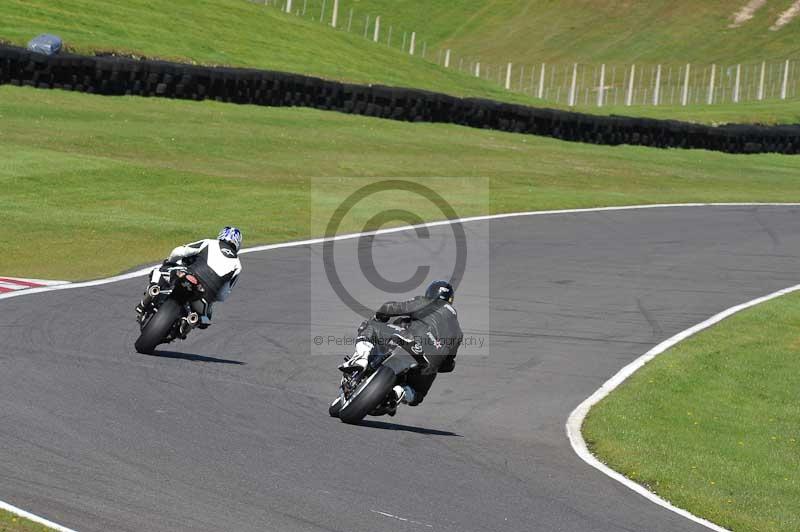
column 338, row 15
column 646, row 84
column 573, row 84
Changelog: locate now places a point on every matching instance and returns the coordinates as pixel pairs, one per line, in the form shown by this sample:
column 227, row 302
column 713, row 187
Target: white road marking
column 32, row 517
column 404, row 519
column 577, row 416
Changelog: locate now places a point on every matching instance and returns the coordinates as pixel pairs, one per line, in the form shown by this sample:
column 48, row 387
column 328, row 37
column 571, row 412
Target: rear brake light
column 191, row 278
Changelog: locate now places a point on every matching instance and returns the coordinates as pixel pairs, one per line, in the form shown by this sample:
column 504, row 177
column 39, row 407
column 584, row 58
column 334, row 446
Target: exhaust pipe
column 154, row 290
column 188, row 323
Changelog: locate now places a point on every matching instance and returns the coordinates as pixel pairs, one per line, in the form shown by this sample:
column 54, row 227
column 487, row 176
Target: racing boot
column 205, row 318
column 402, row 394
column 359, row 359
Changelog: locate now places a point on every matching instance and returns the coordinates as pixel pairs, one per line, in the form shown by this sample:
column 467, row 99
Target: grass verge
column 766, row 113
column 13, row 523
column 712, row 424
column 100, row 184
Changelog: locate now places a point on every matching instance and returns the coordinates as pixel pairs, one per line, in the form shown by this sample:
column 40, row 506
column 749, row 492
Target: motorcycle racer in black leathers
column 432, row 330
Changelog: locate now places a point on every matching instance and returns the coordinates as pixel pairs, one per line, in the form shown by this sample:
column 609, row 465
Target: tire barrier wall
column 149, row 78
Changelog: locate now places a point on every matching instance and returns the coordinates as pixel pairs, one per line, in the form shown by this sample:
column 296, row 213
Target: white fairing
column 218, row 260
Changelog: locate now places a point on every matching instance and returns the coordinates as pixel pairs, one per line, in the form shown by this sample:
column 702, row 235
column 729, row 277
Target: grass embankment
column 767, row 113
column 234, row 33
column 596, row 31
column 713, row 425
column 13, row 523
column 99, row 184
column 241, row 33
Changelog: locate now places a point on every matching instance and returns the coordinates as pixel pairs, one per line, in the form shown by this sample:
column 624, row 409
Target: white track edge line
column 43, row 282
column 32, row 517
column 144, row 271
column 577, row 417
column 312, row 241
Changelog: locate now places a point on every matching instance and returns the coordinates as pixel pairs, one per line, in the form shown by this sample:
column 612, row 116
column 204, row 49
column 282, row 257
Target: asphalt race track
column 229, row 429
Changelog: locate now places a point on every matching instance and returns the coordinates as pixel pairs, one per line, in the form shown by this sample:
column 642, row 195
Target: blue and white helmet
column 231, row 235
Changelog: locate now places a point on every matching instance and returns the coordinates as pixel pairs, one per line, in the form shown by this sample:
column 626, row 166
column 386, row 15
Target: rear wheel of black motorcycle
column 336, row 405
column 157, row 327
column 368, row 395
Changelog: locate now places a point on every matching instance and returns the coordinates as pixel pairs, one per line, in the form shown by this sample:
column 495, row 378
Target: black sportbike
column 369, row 391
column 169, row 314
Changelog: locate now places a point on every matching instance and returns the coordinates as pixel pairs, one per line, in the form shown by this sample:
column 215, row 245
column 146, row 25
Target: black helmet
column 440, row 290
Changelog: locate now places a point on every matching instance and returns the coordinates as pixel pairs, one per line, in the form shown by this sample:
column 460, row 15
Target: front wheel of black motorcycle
column 157, row 327
column 368, row 395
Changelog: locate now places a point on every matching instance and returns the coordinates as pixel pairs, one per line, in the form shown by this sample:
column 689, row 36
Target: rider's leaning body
column 433, row 330
column 215, row 262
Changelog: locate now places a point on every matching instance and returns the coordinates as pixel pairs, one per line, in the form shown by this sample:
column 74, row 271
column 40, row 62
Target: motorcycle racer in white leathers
column 214, row 262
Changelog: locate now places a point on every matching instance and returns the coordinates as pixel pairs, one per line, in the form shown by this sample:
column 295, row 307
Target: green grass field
column 713, row 425
column 105, row 183
column 235, row 33
column 532, row 31
column 767, row 113
column 12, row 523
column 211, row 32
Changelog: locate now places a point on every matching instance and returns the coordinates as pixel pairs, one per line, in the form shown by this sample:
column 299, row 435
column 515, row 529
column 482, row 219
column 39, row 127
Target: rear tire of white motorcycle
column 158, row 327
column 368, row 398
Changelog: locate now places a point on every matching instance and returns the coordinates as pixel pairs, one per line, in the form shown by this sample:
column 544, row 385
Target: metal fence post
column 377, row 33
column 572, row 85
column 335, row 16
column 478, row 69
column 447, row 58
column 601, row 89
column 761, row 80
column 685, row 94
column 322, row 13
column 631, row 78
column 540, row 95
column 657, row 87
column 736, row 83
column 508, row 77
column 785, row 82
column 413, row 43
column 288, row 6
column 710, row 98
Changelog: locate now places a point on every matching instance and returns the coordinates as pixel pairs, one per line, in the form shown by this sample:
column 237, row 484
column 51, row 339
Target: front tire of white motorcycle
column 367, row 396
